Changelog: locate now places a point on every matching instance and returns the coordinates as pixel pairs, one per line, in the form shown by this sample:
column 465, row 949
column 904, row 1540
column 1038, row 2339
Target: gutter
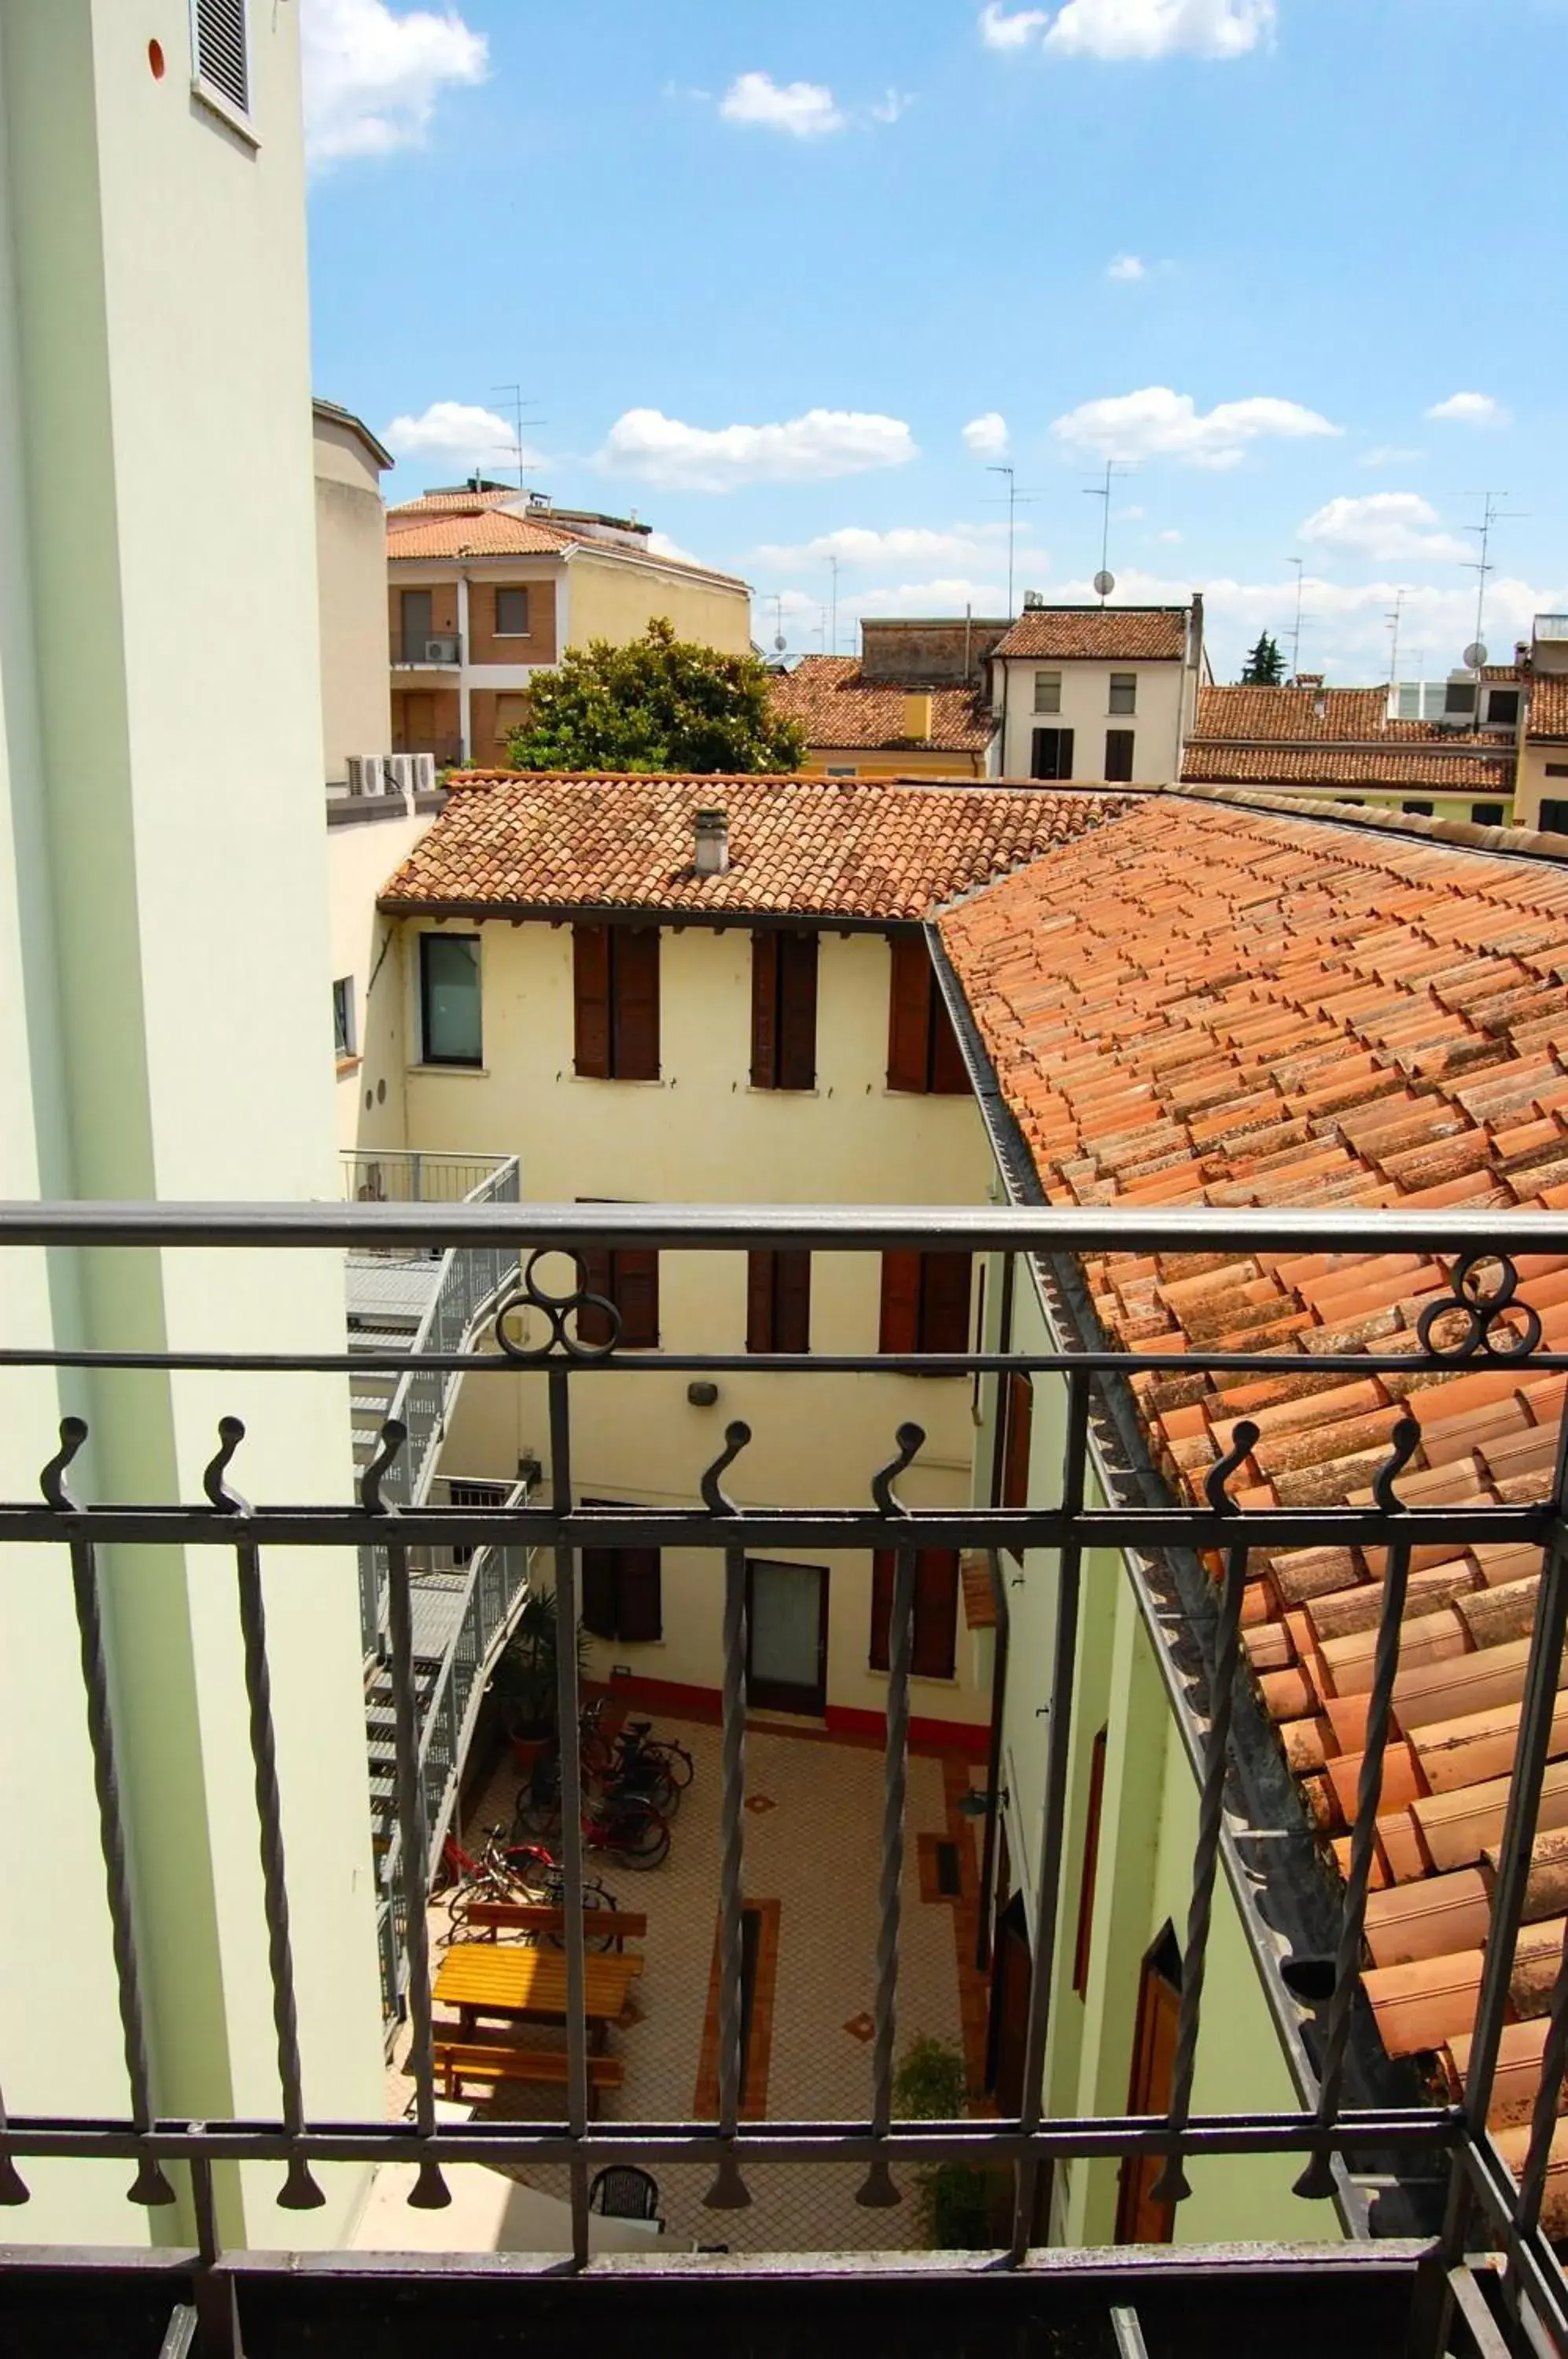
column 1283, row 1895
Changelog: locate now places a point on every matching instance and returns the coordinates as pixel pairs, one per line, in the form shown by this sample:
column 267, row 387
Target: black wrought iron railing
column 1491, row 2234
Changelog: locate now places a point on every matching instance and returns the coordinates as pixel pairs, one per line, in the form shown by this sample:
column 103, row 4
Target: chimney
column 713, row 852
column 1320, row 705
column 918, row 714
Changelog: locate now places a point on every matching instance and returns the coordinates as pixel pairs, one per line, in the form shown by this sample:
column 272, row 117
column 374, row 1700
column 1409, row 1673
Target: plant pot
column 527, row 1750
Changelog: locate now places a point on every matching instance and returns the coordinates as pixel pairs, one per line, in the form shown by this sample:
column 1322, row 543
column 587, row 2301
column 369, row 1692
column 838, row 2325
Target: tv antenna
column 833, row 567
column 517, row 401
column 779, row 641
column 1392, row 620
column 1105, row 580
column 1015, row 499
column 1299, row 564
column 1491, row 513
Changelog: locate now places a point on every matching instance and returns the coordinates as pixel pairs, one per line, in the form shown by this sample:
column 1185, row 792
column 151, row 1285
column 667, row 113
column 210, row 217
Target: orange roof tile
column 819, row 847
column 837, row 705
column 1548, row 705
column 1482, row 772
column 439, row 531
column 1102, row 634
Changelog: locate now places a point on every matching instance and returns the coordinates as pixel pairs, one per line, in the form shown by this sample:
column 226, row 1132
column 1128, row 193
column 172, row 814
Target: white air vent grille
column 218, row 32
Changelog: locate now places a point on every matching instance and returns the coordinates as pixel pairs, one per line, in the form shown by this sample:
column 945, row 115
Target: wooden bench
column 494, row 1916
column 501, row 2062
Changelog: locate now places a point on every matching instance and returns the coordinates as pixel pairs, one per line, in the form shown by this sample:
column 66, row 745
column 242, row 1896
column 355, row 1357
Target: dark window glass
column 511, row 614
column 448, row 999
column 1486, row 814
column 1118, row 757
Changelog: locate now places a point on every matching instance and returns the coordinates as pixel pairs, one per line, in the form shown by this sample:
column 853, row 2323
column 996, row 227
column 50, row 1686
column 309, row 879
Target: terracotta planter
column 527, row 1751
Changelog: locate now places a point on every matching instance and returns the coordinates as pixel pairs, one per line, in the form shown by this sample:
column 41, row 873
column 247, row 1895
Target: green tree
column 1265, row 665
column 660, row 703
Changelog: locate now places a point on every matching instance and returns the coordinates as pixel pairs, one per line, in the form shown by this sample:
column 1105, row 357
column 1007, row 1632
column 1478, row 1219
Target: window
column 1051, row 754
column 783, row 1011
column 1503, row 707
column 343, row 1017
column 1048, row 691
column 922, row 1050
column 1123, row 693
column 626, row 1275
column 925, row 1302
column 1018, row 1427
column 778, row 1302
column 1118, row 757
column 1554, row 815
column 219, row 55
column 850, row 773
column 1486, row 814
column 615, row 978
column 1459, row 696
column 1557, row 769
column 1421, row 810
column 936, row 1611
column 511, row 614
column 472, row 1494
column 448, row 999
column 623, row 1591
column 1091, row 1859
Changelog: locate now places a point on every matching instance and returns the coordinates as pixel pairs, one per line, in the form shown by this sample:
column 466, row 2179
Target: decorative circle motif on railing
column 1497, row 1326
column 557, row 1309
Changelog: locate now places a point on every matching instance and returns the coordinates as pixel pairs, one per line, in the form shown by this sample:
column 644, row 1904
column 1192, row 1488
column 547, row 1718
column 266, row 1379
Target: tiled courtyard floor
column 813, row 1846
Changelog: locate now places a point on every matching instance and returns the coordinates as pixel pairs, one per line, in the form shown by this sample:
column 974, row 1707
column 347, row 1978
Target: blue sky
column 784, row 280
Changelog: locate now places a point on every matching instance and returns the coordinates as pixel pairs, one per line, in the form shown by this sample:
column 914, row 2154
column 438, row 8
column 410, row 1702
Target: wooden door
column 1140, row 2219
column 1010, row 1977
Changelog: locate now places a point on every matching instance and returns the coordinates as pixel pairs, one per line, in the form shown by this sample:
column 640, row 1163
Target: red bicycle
column 623, row 1823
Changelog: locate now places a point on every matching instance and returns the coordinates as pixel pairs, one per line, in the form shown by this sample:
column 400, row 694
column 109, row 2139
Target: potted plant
column 525, row 1680
column 957, row 2199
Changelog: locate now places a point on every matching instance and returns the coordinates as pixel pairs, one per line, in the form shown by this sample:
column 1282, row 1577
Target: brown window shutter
column 949, row 1078
column 882, row 1570
column 599, row 1592
column 636, row 1295
column 792, row 1302
column 797, row 1012
column 634, row 1053
column 944, row 1302
column 909, row 1015
column 759, row 1302
column 936, row 1613
column 765, row 1012
column 639, row 1605
column 900, row 1302
column 591, row 986
column 1018, row 1414
column 595, row 1326
column 1091, row 1862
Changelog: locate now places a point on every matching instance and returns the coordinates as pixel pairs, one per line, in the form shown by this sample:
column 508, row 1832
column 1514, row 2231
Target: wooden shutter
column 900, row 1327
column 1019, row 1421
column 792, row 1301
column 764, row 1015
column 636, row 1295
column 1090, row 1861
column 949, row 1078
column 591, row 993
column 797, row 1012
column 222, row 60
column 639, row 1604
column 909, row 1015
column 634, row 1030
column 759, row 1302
column 944, row 1302
column 936, row 1613
column 595, row 1326
column 599, row 1592
column 883, row 1568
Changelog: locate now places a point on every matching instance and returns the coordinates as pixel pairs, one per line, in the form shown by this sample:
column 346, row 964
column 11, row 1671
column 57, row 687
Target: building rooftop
column 1100, row 634
column 818, row 847
column 1209, row 1004
column 1320, row 716
column 1471, row 769
column 443, row 524
column 337, row 415
column 837, row 705
column 1548, row 705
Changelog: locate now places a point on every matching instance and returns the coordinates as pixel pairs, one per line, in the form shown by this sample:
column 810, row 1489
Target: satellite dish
column 1474, row 655
column 780, row 643
column 1103, row 584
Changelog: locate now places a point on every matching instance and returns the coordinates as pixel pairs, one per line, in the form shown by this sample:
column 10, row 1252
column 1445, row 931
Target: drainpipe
column 465, row 716
column 1000, row 1652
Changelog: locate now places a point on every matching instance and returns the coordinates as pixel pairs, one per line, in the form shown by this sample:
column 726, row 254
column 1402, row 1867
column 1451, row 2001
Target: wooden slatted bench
column 498, row 2062
column 494, row 1916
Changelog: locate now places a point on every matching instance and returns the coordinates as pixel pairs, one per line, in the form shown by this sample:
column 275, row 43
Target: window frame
column 1415, row 807
column 238, row 115
column 935, row 1619
column 1126, row 742
column 1123, row 684
column 599, row 976
column 427, row 1055
column 778, row 1300
column 512, row 590
column 1496, row 696
column 610, row 1271
column 1047, row 684
column 914, row 1315
column 346, row 1031
column 784, row 1005
column 1460, row 697
column 924, row 1058
column 618, row 1568
column 1552, row 809
column 1486, row 814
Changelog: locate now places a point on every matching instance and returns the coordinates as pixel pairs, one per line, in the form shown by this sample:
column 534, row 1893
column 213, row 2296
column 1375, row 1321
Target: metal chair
column 623, row 2193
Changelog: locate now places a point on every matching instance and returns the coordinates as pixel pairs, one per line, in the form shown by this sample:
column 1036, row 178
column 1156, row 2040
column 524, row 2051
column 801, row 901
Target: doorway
column 786, row 1636
column 415, row 624
column 1009, row 2035
column 1140, row 2219
column 1051, row 754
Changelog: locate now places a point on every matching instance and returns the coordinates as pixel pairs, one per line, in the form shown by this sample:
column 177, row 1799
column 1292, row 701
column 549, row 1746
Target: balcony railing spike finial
column 394, row 1434
column 231, row 1433
column 14, row 2188
column 1490, row 1331
column 429, row 2192
column 911, row 1440
column 715, row 1497
column 1404, row 1441
column 51, row 1482
column 557, row 1309
column 1244, row 1441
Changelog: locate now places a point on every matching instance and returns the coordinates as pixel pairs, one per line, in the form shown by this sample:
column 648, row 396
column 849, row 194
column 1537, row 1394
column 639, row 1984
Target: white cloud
column 888, row 109
column 905, row 545
column 804, row 110
column 1171, row 537
column 1470, row 409
column 372, row 77
column 1389, row 527
column 1131, row 515
column 1159, row 423
column 461, row 431
column 1000, row 31
column 1118, row 29
column 987, row 436
column 1126, row 267
column 825, row 443
column 1388, row 454
column 658, row 544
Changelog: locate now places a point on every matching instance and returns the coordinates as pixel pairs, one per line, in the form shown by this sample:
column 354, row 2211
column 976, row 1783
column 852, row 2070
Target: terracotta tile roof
column 1548, row 705
column 1349, row 715
column 825, row 848
column 1209, row 1004
column 1478, row 773
column 1100, row 634
column 475, row 531
column 837, row 706
column 464, row 501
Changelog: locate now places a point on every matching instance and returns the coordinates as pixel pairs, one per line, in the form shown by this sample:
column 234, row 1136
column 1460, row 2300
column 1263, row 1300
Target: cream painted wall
column 616, row 598
column 1164, row 693
column 703, row 1134
column 361, row 856
column 1534, row 785
column 175, row 943
column 350, row 577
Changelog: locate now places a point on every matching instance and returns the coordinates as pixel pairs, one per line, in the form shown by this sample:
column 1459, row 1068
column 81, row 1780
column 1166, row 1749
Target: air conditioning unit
column 424, row 773
column 365, row 774
column 1033, row 600
column 400, row 773
column 441, row 651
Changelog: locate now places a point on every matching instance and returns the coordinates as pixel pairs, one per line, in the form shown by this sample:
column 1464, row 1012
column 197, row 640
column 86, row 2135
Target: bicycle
column 515, row 1872
column 624, row 1824
column 634, row 1763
